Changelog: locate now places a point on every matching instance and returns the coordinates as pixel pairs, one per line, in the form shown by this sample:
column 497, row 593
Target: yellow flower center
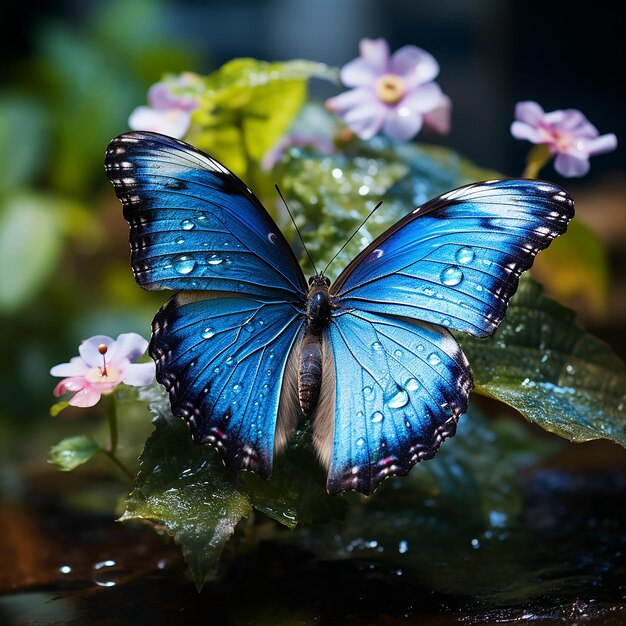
column 98, row 375
column 390, row 88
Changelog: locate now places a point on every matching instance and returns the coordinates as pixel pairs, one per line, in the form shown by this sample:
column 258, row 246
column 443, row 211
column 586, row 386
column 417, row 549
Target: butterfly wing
column 456, row 261
column 194, row 224
column 222, row 360
column 222, row 344
column 400, row 388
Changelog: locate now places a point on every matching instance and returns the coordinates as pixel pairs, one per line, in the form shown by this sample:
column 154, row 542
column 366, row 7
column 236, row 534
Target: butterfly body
column 246, row 348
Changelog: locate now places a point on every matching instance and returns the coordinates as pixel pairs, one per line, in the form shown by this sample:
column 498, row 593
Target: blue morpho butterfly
column 247, row 346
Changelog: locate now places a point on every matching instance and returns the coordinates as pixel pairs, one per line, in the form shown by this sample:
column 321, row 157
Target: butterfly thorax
column 317, row 311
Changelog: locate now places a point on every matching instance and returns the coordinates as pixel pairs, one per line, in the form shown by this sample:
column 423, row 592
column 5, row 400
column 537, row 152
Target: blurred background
column 73, row 71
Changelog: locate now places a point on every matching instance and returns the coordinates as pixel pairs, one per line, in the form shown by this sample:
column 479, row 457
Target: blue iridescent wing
column 222, row 360
column 400, row 388
column 194, row 224
column 456, row 261
column 220, row 345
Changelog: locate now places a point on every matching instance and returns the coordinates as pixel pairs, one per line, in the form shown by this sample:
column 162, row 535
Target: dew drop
column 377, row 346
column 360, row 441
column 180, row 240
column 368, row 393
column 451, row 276
column 433, row 359
column 237, row 387
column 398, row 352
column 214, row 259
column 207, row 333
column 229, row 361
column 398, row 399
column 412, row 384
column 187, row 225
column 465, row 255
column 184, row 264
column 377, row 417
column 403, row 546
column 428, row 291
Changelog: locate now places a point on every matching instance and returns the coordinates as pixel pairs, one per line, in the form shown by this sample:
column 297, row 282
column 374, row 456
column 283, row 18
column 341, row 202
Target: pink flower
column 103, row 364
column 391, row 93
column 171, row 102
column 568, row 134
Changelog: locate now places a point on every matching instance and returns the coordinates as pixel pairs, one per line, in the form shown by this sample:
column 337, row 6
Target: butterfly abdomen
column 310, row 373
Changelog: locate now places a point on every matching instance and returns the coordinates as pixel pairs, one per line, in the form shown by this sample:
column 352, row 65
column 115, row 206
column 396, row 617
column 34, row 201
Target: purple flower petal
column 522, row 130
column 422, row 98
column 439, row 118
column 76, row 367
column 402, row 124
column 529, row 112
column 570, row 165
column 602, row 144
column 129, row 346
column 159, row 97
column 359, row 73
column 172, row 122
column 139, row 374
column 347, row 100
column 376, row 53
column 88, row 349
column 416, row 66
column 366, row 119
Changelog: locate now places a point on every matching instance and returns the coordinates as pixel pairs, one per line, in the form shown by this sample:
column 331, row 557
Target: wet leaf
column 249, row 105
column 186, row 489
column 72, row 452
column 296, row 492
column 542, row 363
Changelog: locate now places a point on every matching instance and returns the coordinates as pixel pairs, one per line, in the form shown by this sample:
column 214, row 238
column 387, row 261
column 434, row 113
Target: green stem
column 127, row 473
column 536, row 159
column 108, row 403
column 110, row 409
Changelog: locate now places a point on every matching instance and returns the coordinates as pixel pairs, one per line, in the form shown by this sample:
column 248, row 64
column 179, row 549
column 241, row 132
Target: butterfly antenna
column 352, row 236
column 297, row 229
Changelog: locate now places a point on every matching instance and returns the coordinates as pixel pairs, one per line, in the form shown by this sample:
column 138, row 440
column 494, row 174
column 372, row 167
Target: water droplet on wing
column 184, row 264
column 465, row 255
column 451, row 276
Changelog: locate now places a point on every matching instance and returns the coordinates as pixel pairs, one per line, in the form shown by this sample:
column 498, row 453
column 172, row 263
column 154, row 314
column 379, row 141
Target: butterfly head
column 319, row 280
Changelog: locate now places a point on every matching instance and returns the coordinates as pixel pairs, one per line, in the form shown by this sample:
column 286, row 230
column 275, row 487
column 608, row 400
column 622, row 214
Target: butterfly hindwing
column 456, row 261
column 400, row 388
column 194, row 224
column 222, row 360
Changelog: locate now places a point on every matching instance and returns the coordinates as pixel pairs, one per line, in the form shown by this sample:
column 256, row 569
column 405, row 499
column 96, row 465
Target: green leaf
column 185, row 488
column 57, row 407
column 72, row 452
column 30, row 246
column 575, row 268
column 296, row 492
column 331, row 195
column 542, row 363
column 249, row 105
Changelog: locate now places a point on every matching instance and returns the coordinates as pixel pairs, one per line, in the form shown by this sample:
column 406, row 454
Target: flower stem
column 536, row 159
column 108, row 403
column 127, row 473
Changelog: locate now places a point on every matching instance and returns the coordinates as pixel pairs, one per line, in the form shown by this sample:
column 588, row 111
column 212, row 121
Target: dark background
column 492, row 54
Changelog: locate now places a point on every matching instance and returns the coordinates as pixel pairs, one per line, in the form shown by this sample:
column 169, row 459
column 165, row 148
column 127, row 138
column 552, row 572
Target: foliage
column 540, row 361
